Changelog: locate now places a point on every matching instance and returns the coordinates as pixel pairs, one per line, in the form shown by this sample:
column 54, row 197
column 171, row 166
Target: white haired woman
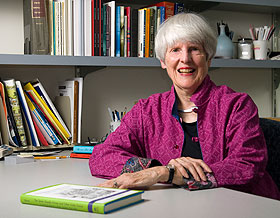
column 198, row 135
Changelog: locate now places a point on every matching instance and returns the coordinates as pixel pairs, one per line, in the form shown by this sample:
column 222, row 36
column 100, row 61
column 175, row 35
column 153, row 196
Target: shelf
column 42, row 148
column 100, row 62
column 256, row 6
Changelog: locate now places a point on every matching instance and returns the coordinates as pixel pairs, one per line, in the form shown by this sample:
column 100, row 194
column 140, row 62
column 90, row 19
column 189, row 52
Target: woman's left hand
column 143, row 178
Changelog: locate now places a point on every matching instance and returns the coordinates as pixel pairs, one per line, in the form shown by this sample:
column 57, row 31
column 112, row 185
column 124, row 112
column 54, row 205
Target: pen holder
column 114, row 125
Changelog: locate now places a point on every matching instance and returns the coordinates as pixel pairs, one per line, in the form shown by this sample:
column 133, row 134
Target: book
column 48, row 113
column 122, row 32
column 80, row 155
column 82, row 198
column 78, row 27
column 112, row 5
column 5, row 134
column 71, row 89
column 41, row 122
column 5, row 150
column 134, row 32
column 118, row 31
column 25, row 109
column 87, row 28
column 44, row 95
column 80, row 80
column 36, row 35
column 169, row 8
column 86, row 149
column 178, row 8
column 16, row 110
column 49, row 5
column 128, row 30
column 141, row 32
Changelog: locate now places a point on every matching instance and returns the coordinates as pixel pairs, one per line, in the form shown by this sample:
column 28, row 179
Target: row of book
column 93, row 27
column 29, row 117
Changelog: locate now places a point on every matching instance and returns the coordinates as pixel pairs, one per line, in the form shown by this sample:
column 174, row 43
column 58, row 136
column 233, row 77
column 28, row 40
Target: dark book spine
column 134, row 33
column 152, row 33
column 108, row 30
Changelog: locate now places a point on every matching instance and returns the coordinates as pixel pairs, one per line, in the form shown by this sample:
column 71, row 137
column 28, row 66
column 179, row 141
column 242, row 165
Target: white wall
column 121, row 87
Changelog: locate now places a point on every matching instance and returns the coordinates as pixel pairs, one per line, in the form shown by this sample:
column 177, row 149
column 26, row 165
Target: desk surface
column 160, row 201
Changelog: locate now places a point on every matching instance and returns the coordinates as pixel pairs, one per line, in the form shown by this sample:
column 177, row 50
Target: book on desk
column 82, row 198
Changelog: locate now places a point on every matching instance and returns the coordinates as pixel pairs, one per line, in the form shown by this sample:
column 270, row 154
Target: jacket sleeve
column 245, row 154
column 108, row 159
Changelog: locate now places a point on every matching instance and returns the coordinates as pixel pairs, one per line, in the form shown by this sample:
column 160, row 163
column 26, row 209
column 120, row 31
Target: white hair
column 185, row 27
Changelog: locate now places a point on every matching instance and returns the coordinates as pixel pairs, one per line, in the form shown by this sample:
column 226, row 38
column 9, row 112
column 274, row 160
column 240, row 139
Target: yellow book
column 30, row 89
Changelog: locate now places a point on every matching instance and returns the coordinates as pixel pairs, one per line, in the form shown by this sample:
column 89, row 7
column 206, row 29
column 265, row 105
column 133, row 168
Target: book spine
column 108, row 31
column 100, row 28
column 44, row 95
column 58, row 126
column 118, row 31
column 134, row 33
column 147, row 32
column 40, row 135
column 112, row 5
column 122, row 31
column 39, row 36
column 128, row 14
column 178, row 8
column 92, row 27
column 104, row 38
column 152, row 32
column 80, row 155
column 41, row 122
column 57, row 203
column 24, row 106
column 16, row 111
column 49, row 4
column 141, row 28
column 87, row 27
column 125, row 36
column 83, row 149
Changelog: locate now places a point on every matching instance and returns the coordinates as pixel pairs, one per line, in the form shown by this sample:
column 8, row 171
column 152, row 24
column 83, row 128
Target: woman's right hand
column 196, row 167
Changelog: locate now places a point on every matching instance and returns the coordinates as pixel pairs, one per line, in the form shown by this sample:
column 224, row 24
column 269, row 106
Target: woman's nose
column 185, row 56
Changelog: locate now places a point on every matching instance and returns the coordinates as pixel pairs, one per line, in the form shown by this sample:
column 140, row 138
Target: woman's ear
column 163, row 66
column 209, row 62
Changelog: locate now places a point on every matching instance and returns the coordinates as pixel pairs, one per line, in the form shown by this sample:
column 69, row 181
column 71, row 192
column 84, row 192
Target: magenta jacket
column 231, row 140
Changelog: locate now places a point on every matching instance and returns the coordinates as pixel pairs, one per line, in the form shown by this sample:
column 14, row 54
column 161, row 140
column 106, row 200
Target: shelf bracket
column 82, row 71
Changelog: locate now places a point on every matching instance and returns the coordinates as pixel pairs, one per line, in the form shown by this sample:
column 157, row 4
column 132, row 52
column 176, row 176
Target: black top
column 191, row 147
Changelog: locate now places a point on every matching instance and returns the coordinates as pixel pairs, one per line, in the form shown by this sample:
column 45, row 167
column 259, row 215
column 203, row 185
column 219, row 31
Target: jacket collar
column 200, row 97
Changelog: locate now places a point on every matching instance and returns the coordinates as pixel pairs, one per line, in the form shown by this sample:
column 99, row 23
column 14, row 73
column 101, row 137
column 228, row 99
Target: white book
column 141, row 32
column 78, row 27
column 112, row 4
column 125, row 36
column 25, row 109
column 70, row 88
column 87, row 28
column 68, row 27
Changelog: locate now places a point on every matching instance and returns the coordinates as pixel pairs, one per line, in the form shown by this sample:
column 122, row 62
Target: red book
column 80, row 155
column 41, row 138
column 92, row 27
column 127, row 11
column 169, row 8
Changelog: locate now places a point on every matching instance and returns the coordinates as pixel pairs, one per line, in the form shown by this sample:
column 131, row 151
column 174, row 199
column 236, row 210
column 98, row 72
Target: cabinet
column 81, row 66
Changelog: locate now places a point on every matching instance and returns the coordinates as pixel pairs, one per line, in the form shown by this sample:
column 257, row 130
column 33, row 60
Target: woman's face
column 186, row 65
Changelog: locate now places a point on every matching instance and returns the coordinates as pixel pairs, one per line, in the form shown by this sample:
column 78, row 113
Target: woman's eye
column 174, row 50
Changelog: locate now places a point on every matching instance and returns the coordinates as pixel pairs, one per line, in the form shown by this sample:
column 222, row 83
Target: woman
column 198, row 135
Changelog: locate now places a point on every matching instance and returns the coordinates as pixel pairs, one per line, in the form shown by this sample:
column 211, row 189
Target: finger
column 201, row 163
column 200, row 171
column 179, row 167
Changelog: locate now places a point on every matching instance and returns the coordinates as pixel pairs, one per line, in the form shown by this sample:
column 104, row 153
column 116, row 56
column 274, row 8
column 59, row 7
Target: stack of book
column 93, row 27
column 28, row 117
column 82, row 151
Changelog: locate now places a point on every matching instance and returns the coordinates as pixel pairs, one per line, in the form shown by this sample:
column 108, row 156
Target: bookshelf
column 83, row 65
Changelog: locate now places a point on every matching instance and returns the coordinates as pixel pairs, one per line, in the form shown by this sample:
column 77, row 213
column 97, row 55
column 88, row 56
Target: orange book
column 147, row 33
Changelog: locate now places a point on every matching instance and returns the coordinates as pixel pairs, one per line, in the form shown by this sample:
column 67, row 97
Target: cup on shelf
column 261, row 50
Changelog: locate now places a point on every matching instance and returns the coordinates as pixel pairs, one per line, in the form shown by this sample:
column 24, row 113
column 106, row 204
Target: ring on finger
column 116, row 185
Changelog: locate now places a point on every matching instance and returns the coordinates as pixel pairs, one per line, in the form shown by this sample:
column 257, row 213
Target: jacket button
column 176, row 146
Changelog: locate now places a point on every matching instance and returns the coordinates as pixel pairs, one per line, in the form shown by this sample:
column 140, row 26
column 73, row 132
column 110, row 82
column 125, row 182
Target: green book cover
column 82, row 198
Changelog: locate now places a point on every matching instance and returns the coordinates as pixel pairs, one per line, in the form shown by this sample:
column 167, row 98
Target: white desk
column 161, row 201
